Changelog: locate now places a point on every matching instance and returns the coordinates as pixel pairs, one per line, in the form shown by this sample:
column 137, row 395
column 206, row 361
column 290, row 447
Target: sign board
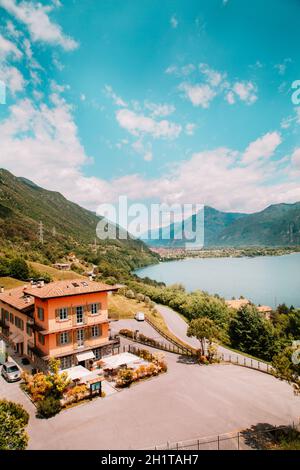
column 95, row 387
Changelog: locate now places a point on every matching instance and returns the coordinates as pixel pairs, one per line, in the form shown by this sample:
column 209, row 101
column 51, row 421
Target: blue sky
column 167, row 101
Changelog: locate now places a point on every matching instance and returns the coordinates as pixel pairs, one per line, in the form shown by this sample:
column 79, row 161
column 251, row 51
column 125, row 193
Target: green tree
column 13, row 420
column 293, row 324
column 286, row 366
column 19, row 269
column 205, row 330
column 251, row 333
column 59, row 380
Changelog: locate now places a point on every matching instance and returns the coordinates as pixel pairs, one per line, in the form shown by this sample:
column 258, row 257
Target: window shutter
column 58, row 339
column 87, row 333
column 98, row 307
column 57, row 314
column 69, row 337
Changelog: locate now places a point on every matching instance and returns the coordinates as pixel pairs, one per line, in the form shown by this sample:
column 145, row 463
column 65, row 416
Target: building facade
column 68, row 321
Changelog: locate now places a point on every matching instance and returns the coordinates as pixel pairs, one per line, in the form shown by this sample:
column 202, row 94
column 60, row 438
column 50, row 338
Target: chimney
column 1, row 289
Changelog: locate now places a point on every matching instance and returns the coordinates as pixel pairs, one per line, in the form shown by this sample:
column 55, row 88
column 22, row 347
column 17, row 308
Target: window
column 29, row 330
column 95, row 331
column 65, row 362
column 19, row 323
column 97, row 353
column 95, row 308
column 64, row 338
column 40, row 313
column 41, row 338
column 63, row 314
column 11, row 318
column 79, row 314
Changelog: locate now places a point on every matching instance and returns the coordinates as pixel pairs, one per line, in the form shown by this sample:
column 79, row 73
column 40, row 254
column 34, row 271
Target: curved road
column 178, row 326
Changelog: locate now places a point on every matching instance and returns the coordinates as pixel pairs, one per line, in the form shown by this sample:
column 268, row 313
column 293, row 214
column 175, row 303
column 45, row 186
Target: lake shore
column 265, row 280
column 173, row 254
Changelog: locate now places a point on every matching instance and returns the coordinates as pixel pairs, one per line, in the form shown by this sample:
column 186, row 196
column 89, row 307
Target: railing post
column 244, row 361
column 258, row 364
column 218, row 442
column 198, row 444
column 251, row 363
column 238, row 436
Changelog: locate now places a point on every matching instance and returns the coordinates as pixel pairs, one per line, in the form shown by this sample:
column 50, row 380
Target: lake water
column 268, row 280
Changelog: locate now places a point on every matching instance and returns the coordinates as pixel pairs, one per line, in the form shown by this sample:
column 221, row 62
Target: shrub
column 125, row 377
column 127, row 333
column 140, row 297
column 48, row 407
column 76, row 393
column 130, row 294
column 13, row 419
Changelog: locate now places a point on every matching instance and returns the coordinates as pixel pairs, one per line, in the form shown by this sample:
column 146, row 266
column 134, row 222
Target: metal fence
column 256, row 438
column 241, row 360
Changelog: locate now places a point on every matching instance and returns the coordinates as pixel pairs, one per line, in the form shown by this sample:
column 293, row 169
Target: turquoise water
column 268, row 280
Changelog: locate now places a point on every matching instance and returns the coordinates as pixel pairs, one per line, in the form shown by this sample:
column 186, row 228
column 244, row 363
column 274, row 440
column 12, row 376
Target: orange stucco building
column 69, row 320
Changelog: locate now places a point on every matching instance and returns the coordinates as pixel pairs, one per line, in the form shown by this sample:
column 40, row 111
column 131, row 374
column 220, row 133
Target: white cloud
column 159, row 110
column 116, row 99
column 182, row 71
column 174, row 21
column 199, row 95
column 246, row 91
column 213, row 77
column 230, row 97
column 283, row 66
column 12, row 78
column 190, row 128
column 138, row 124
column 45, row 139
column 8, row 48
column 295, row 160
column 263, row 147
column 36, row 17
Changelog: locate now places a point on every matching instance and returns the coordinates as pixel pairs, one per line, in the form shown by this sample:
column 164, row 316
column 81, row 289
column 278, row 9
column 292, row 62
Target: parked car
column 11, row 372
column 140, row 316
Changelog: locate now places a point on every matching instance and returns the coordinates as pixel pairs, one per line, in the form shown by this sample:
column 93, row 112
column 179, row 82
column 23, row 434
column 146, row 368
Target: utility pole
column 41, row 233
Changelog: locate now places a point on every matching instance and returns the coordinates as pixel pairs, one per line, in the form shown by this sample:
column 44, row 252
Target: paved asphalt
column 178, row 327
column 188, row 402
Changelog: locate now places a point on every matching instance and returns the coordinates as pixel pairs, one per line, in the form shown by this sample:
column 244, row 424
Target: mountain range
column 277, row 225
column 29, row 213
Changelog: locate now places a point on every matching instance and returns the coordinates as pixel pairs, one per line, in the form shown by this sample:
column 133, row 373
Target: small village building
column 67, row 320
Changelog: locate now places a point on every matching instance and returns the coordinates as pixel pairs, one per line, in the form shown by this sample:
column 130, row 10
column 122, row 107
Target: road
column 178, row 326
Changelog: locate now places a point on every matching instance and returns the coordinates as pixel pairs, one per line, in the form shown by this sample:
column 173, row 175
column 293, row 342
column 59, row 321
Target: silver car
column 11, row 372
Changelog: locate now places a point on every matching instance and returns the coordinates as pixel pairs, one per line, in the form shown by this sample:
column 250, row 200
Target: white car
column 140, row 316
column 11, row 372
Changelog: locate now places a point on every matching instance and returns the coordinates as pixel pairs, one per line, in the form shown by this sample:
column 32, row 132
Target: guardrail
column 188, row 351
column 260, row 437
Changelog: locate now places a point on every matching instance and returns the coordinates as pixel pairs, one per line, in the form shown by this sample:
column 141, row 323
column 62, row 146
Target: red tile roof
column 67, row 288
column 17, row 298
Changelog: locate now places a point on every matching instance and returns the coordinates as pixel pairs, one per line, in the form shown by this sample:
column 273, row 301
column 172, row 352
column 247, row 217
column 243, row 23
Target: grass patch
column 55, row 274
column 227, row 346
column 121, row 308
column 10, row 282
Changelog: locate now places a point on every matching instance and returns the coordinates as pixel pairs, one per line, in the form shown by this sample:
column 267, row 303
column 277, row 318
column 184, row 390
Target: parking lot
column 189, row 401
